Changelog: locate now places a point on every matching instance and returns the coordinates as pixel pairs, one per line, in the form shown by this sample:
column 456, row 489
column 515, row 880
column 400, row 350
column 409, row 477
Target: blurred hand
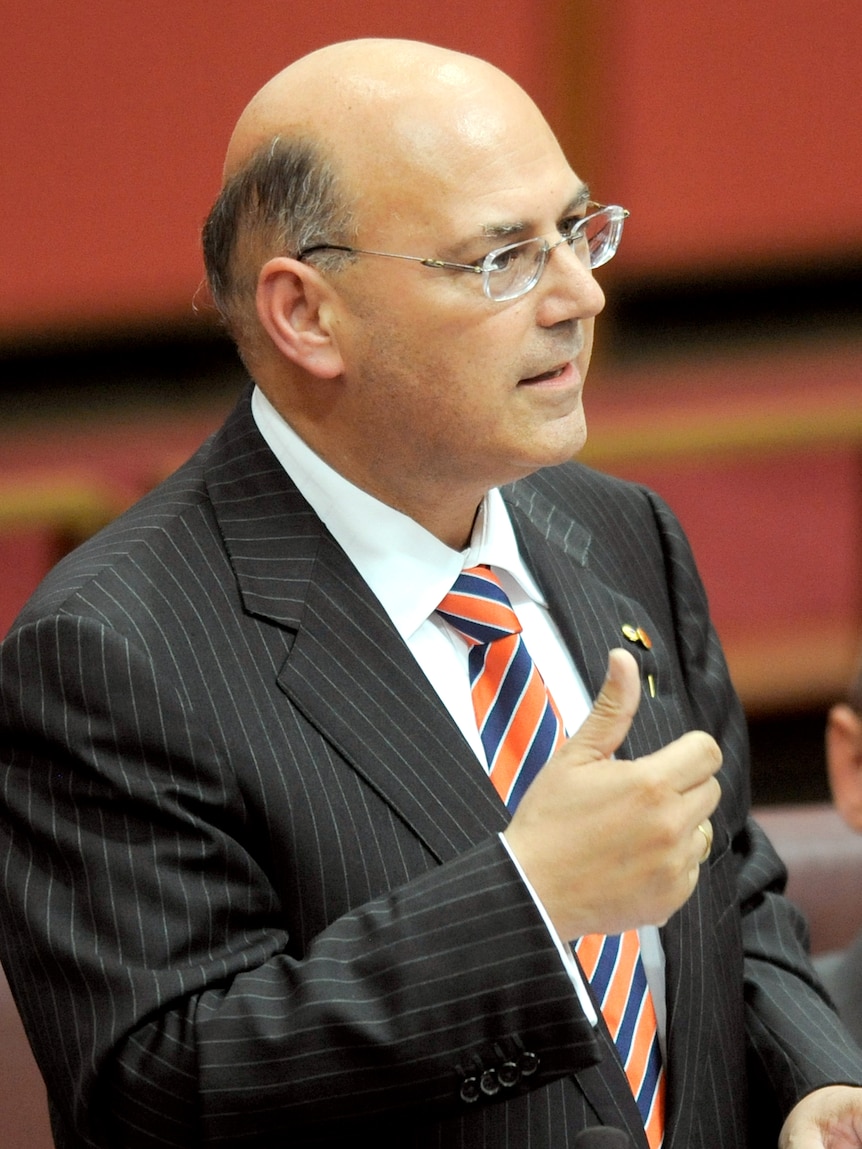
column 829, row 1118
column 609, row 844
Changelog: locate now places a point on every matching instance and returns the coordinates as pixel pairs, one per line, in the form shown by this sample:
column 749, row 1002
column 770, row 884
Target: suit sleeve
column 795, row 1042
column 149, row 956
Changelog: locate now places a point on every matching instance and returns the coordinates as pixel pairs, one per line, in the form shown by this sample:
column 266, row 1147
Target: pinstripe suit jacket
column 253, row 892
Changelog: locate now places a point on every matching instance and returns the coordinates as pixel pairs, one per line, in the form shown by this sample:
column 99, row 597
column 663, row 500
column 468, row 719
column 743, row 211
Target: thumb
column 611, row 716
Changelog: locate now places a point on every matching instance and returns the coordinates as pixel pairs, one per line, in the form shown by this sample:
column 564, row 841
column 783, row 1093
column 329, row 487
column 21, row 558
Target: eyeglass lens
column 602, row 233
column 515, row 269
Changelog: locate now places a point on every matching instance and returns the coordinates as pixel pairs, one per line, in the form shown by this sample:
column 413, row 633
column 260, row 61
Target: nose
column 568, row 287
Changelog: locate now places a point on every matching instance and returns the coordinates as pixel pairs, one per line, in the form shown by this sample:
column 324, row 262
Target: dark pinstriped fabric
column 252, row 889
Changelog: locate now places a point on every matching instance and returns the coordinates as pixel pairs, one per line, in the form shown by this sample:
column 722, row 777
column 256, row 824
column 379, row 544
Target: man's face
column 447, row 392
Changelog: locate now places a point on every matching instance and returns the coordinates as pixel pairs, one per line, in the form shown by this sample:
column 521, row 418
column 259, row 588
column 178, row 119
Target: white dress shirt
column 410, row 571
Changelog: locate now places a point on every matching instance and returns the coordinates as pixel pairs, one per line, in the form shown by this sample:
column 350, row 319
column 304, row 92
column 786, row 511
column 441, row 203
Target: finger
column 696, row 808
column 611, row 717
column 687, row 762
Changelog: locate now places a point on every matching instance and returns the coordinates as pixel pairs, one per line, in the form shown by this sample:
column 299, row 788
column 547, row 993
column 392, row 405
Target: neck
column 445, row 509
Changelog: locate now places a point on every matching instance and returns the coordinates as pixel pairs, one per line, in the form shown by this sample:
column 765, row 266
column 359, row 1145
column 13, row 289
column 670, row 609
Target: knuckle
column 711, row 750
column 704, row 746
column 652, row 790
column 666, row 831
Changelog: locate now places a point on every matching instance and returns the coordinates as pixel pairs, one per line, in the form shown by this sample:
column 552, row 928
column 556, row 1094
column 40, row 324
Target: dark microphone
column 602, row 1137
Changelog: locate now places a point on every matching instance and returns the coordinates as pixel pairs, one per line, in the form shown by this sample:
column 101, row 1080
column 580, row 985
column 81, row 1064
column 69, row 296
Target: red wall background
column 115, row 119
column 735, row 130
column 731, row 128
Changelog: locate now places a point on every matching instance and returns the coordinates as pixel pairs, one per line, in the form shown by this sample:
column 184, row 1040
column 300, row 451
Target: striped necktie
column 520, row 728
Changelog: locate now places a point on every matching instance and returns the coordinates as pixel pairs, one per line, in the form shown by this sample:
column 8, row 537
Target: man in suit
column 257, row 887
column 841, row 972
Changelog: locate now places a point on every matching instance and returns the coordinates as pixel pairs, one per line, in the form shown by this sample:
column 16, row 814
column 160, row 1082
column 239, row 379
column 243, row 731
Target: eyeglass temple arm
column 387, row 255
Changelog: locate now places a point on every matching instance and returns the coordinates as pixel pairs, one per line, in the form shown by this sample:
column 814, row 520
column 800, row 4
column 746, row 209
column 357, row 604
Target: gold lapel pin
column 637, row 635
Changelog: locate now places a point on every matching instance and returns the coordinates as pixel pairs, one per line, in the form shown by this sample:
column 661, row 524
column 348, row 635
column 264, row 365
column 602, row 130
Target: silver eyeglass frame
column 489, row 266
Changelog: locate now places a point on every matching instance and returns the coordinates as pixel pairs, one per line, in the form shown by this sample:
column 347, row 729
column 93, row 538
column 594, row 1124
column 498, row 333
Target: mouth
column 546, row 376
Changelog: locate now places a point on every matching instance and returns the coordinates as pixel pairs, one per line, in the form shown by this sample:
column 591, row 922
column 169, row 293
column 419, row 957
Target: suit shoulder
column 151, row 532
column 592, row 497
column 171, row 534
column 614, row 521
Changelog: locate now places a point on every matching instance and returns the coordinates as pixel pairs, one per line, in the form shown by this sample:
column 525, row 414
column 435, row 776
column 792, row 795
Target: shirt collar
column 407, row 568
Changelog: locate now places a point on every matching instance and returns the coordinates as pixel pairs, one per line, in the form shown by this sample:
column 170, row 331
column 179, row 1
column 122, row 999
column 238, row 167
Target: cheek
column 436, row 363
column 479, row 362
column 588, row 329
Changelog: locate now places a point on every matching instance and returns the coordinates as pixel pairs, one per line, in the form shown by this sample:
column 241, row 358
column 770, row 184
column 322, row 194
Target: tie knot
column 479, row 608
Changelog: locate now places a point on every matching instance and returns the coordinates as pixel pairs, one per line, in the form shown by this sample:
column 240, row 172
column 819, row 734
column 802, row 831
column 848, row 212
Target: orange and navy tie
column 520, row 728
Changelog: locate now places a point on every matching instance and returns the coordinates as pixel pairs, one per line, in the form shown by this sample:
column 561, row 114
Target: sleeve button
column 489, row 1082
column 509, row 1074
column 529, row 1064
column 470, row 1089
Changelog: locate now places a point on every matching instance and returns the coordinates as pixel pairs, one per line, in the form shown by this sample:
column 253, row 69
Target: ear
column 844, row 762
column 296, row 306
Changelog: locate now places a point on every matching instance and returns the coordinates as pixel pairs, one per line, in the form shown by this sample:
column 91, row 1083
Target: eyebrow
column 518, row 227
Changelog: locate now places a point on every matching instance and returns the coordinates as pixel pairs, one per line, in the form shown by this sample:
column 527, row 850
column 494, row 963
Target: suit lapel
column 590, row 615
column 347, row 670
column 353, row 677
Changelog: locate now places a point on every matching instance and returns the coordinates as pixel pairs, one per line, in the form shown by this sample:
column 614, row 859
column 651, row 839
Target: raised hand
column 610, row 844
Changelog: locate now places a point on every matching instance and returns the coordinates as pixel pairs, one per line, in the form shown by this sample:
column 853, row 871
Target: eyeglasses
column 510, row 272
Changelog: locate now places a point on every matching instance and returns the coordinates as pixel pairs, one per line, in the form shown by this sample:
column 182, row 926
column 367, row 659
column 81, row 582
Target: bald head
column 403, row 93
column 345, row 139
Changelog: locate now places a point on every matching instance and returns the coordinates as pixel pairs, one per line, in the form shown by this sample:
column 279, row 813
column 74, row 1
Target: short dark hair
column 285, row 198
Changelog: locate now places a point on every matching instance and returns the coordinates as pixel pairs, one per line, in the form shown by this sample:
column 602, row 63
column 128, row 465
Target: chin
column 563, row 453
column 568, row 444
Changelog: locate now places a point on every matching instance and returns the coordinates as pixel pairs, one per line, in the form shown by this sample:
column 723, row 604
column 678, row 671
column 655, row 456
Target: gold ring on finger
column 705, row 829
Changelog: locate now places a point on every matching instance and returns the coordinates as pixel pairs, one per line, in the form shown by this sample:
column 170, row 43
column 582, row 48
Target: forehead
column 515, row 195
column 472, row 167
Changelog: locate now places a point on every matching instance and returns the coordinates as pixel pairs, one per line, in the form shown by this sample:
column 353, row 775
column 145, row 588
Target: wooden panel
column 761, row 458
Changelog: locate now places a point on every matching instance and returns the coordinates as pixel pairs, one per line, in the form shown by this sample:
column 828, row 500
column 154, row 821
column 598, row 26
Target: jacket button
column 509, row 1074
column 529, row 1064
column 470, row 1089
column 489, row 1083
